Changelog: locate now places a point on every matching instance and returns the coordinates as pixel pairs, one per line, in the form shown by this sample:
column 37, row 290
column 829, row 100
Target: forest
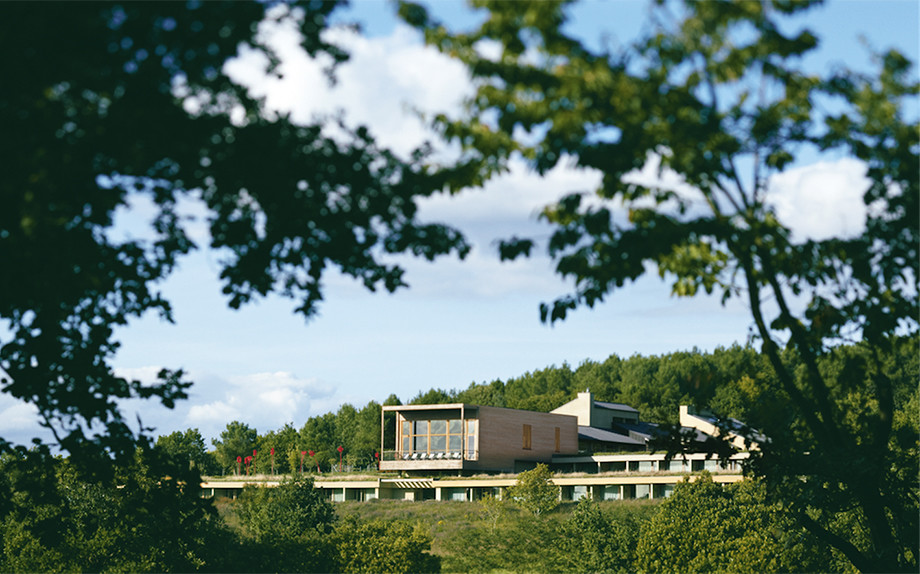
column 733, row 382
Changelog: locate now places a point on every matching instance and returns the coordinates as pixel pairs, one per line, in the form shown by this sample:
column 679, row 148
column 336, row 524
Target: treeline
column 734, row 382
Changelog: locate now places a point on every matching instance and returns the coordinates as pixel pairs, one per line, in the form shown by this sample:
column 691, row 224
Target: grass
column 444, row 519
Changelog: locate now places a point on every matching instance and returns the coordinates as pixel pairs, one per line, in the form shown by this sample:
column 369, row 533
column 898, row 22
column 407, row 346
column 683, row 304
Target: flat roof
column 615, row 406
column 606, row 436
column 438, row 406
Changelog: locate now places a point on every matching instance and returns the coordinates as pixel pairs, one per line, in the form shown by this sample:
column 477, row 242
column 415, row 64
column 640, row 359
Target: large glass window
column 439, row 438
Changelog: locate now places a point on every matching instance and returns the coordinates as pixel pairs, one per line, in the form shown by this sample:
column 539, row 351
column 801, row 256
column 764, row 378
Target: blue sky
column 460, row 322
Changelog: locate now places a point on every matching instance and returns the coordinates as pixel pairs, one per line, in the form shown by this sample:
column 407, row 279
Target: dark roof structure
column 601, row 435
column 615, row 406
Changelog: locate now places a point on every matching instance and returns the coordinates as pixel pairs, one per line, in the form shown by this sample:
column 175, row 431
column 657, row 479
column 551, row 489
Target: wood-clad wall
column 501, row 437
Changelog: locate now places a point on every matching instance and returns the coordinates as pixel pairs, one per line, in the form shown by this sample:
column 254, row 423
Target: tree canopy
column 715, row 99
column 708, row 527
column 534, row 491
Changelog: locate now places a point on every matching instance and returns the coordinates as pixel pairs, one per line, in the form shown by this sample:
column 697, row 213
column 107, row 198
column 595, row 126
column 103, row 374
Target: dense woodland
column 733, row 382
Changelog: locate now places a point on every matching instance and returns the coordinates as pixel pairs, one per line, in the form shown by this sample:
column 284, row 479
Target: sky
column 459, row 322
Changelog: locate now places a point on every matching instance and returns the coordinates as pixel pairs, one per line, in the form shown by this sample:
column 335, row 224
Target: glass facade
column 611, row 492
column 437, row 438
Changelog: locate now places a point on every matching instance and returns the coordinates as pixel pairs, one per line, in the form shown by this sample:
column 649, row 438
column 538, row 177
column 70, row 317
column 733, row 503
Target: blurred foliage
column 149, row 517
column 127, row 108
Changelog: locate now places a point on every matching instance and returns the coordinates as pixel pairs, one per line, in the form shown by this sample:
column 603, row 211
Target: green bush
column 382, row 546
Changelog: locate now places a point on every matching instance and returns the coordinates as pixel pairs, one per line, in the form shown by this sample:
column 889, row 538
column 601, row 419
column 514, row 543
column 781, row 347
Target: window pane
column 471, row 427
column 407, row 427
column 407, row 444
column 438, row 442
column 421, row 427
column 438, row 427
column 455, row 442
column 421, row 443
column 456, row 426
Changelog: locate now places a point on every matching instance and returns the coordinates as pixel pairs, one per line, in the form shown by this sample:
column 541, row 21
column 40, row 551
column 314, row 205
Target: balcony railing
column 393, row 455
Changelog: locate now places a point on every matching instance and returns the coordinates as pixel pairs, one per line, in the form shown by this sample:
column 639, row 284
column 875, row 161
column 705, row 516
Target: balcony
column 395, row 455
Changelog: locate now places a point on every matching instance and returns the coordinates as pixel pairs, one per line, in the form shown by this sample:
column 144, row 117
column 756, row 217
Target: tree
column 715, row 100
column 319, row 435
column 292, row 508
column 534, row 491
column 283, row 441
column 594, row 541
column 120, row 103
column 237, row 440
column 187, row 448
column 492, row 509
column 383, row 546
column 366, row 436
column 149, row 516
column 289, row 524
column 432, row 397
column 705, row 527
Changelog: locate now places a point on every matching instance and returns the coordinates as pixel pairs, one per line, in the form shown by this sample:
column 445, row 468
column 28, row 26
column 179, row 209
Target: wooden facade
column 461, row 437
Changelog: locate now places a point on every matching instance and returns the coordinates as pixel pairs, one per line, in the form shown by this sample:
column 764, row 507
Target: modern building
column 459, row 451
column 599, row 477
column 734, row 430
column 597, row 414
column 464, row 439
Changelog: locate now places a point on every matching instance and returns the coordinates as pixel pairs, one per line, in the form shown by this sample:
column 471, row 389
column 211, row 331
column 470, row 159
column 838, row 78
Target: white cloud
column 146, row 375
column 384, row 79
column 821, row 200
column 512, row 198
column 264, row 400
column 17, row 416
